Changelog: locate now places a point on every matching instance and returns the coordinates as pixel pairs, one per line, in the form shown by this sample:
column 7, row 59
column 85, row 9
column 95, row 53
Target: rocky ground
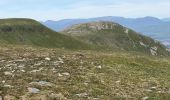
column 56, row 74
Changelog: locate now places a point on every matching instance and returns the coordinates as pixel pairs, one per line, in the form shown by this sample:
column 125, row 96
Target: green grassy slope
column 114, row 36
column 82, row 75
column 31, row 32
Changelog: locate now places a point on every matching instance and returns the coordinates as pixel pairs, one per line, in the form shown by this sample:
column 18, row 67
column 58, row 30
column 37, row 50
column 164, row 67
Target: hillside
column 149, row 26
column 31, row 32
column 56, row 74
column 114, row 36
column 31, row 72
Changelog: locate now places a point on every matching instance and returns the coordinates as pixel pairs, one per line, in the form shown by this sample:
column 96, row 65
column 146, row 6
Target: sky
column 67, row 9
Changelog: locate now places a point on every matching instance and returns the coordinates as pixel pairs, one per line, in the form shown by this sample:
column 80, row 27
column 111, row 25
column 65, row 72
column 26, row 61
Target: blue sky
column 62, row 9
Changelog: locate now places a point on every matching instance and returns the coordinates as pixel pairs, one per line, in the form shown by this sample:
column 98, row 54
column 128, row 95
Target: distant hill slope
column 114, row 36
column 156, row 28
column 31, row 32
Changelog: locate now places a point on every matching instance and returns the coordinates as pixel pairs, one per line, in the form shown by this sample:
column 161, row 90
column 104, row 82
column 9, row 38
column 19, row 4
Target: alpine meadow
column 85, row 50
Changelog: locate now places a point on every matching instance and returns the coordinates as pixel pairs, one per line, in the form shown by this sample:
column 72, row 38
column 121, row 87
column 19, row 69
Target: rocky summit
column 113, row 36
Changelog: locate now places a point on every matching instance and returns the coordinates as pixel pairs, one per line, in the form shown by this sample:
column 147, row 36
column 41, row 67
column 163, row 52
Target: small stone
column 61, row 60
column 7, row 73
column 99, row 67
column 23, row 71
column 47, row 58
column 66, row 74
column 148, row 90
column 3, row 81
column 8, row 86
column 57, row 97
column 42, row 83
column 60, row 75
column 38, row 64
column 33, row 90
column 21, row 66
column 145, row 98
column 86, row 84
column 82, row 95
column 45, row 83
column 117, row 81
column 160, row 92
column 153, row 87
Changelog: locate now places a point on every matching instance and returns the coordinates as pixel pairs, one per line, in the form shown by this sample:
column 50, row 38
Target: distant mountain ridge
column 114, row 36
column 158, row 29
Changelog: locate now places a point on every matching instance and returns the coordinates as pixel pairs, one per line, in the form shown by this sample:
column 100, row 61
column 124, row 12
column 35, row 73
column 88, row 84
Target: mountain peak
column 19, row 31
column 114, row 36
column 149, row 19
